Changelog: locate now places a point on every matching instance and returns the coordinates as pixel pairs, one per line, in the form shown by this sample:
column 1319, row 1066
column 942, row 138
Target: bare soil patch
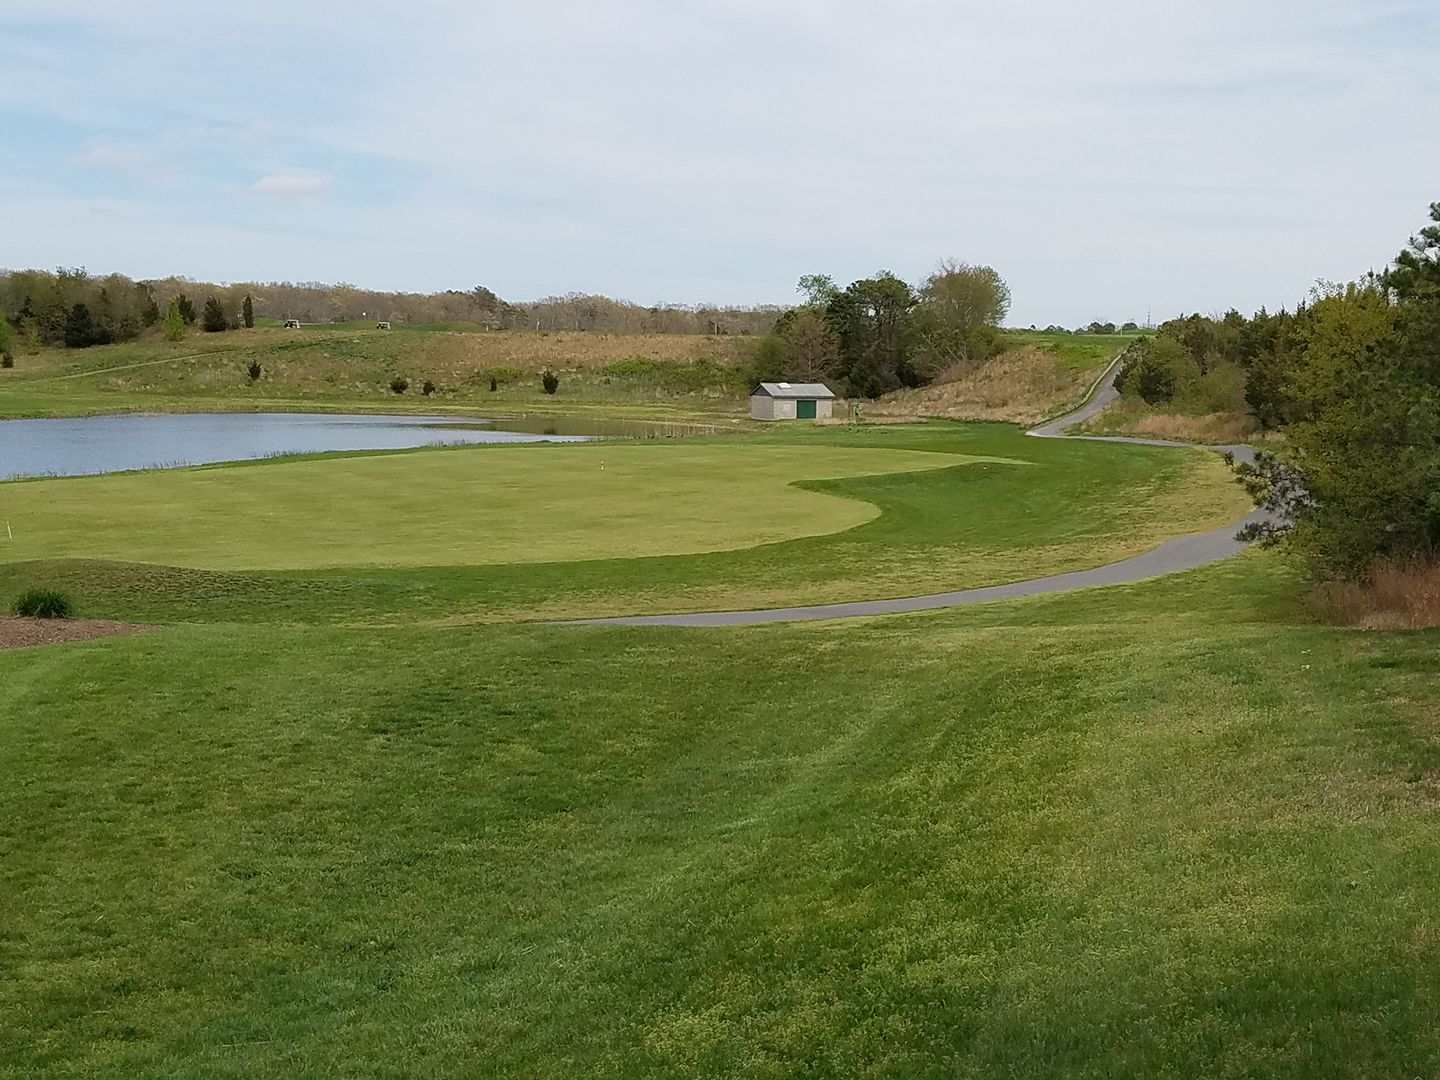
column 17, row 633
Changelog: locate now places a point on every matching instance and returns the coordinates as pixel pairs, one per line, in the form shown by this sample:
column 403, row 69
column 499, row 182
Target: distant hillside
column 1040, row 374
column 322, row 366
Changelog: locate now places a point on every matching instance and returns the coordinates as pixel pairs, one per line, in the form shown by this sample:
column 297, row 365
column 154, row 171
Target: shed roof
column 793, row 390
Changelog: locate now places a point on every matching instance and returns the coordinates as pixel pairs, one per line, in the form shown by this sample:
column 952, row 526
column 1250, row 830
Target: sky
column 1111, row 159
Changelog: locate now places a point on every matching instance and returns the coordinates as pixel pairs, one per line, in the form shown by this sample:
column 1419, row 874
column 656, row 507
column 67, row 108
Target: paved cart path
column 1184, row 553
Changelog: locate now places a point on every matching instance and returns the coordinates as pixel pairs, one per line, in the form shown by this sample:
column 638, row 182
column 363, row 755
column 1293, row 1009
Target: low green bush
column 677, row 377
column 254, row 371
column 632, row 367
column 428, row 388
column 399, row 384
column 501, row 376
column 43, row 604
column 550, row 381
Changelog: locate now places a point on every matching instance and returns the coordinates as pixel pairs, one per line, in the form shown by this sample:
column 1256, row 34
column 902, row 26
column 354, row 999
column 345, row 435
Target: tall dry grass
column 1022, row 385
column 1394, row 595
column 1218, row 427
column 531, row 351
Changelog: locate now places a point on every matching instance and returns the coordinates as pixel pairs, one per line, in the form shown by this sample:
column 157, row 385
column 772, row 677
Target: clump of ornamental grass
column 43, row 604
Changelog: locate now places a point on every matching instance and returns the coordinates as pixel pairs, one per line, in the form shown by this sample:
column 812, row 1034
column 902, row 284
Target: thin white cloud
column 293, row 185
column 1105, row 156
column 101, row 153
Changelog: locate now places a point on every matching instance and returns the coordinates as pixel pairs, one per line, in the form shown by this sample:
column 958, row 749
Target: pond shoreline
column 130, row 442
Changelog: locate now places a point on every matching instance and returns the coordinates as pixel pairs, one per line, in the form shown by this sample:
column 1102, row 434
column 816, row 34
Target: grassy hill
column 321, row 366
column 352, row 366
column 1168, row 829
column 1038, row 375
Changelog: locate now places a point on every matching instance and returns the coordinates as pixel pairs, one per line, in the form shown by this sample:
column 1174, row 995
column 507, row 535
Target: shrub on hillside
column 43, row 604
column 399, row 384
column 550, row 382
column 428, row 388
column 632, row 367
column 675, row 376
column 215, row 320
column 254, row 371
column 1156, row 370
column 7, row 361
column 502, row 375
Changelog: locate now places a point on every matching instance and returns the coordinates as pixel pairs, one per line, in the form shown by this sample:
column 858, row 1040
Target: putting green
column 490, row 505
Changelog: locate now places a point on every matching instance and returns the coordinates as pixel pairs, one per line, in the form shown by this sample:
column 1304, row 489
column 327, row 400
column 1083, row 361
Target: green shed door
column 804, row 410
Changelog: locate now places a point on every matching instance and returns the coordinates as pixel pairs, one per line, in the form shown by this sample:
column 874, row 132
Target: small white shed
column 790, row 401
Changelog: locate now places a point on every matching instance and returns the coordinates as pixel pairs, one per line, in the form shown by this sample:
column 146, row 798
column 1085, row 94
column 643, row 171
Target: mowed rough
column 488, row 505
column 1161, row 830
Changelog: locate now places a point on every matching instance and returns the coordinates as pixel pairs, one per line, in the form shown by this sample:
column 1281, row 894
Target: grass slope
column 1069, row 505
column 1160, row 830
column 1039, row 375
column 329, row 367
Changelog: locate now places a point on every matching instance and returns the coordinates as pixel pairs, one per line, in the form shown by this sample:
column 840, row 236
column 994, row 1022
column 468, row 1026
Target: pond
column 100, row 444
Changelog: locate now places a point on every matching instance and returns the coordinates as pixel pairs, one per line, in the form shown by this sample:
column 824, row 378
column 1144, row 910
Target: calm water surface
column 99, row 444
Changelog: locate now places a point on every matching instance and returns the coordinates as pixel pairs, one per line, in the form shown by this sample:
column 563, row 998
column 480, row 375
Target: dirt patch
column 16, row 633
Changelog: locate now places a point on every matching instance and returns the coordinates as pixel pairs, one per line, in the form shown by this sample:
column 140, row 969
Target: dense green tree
column 187, row 309
column 7, row 345
column 174, row 322
column 1156, row 370
column 872, row 321
column 960, row 308
column 767, row 360
column 1416, row 270
column 215, row 319
column 247, row 312
column 1360, row 475
column 79, row 331
column 145, row 303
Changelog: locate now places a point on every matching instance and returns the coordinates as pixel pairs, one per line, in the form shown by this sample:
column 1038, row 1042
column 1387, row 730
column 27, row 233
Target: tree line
column 72, row 308
column 1351, row 381
column 879, row 334
column 38, row 303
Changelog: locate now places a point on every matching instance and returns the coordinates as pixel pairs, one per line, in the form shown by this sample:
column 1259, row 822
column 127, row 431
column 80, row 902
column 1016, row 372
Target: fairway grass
column 467, row 506
column 1157, row 830
column 498, row 534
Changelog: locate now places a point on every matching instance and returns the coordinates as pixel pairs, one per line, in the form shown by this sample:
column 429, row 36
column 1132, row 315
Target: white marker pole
column 8, row 533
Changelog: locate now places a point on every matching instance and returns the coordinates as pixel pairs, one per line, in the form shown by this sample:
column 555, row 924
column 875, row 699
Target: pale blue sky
column 1107, row 157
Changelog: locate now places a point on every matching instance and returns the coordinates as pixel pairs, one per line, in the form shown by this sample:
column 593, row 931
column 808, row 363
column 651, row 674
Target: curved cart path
column 1184, row 553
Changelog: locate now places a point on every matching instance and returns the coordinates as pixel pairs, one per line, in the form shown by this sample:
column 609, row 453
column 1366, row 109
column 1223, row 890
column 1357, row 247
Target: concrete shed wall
column 764, row 407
